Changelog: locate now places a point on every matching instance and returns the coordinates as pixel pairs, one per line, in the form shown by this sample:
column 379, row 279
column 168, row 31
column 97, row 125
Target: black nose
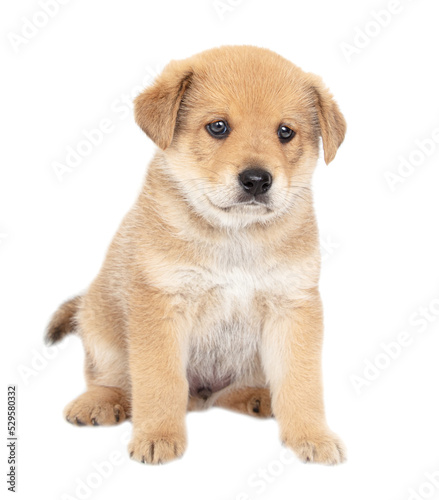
column 255, row 181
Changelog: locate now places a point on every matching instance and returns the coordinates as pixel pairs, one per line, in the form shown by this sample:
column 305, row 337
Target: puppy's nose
column 255, row 181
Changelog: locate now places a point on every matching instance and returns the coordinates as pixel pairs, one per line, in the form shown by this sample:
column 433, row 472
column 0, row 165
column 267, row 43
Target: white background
column 381, row 249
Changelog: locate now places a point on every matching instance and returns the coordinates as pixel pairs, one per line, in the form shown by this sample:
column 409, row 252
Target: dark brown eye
column 285, row 134
column 219, row 129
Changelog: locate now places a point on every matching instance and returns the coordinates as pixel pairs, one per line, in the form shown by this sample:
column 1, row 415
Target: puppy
column 208, row 295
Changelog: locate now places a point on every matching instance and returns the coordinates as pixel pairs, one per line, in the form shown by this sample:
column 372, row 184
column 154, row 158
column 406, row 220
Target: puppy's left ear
column 156, row 108
column 331, row 121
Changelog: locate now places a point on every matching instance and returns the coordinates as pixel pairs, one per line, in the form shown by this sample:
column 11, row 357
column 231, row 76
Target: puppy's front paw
column 156, row 448
column 323, row 448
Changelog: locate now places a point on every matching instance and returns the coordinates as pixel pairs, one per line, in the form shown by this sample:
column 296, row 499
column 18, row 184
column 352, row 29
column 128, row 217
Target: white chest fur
column 227, row 296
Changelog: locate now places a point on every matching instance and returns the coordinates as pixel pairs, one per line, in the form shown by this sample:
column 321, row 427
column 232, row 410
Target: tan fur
column 63, row 321
column 248, row 400
column 199, row 292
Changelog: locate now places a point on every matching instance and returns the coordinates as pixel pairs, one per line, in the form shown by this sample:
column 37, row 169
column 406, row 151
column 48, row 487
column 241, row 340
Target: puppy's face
column 241, row 137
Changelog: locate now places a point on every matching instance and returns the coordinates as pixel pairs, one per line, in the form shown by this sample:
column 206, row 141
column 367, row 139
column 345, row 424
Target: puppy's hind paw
column 259, row 405
column 96, row 407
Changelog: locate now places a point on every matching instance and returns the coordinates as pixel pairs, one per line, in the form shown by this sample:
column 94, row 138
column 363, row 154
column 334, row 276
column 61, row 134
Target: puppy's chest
column 230, row 282
column 234, row 289
column 225, row 337
column 231, row 299
column 227, row 300
column 230, row 289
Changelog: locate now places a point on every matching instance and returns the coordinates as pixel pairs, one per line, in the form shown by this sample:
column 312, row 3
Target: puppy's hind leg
column 254, row 401
column 107, row 399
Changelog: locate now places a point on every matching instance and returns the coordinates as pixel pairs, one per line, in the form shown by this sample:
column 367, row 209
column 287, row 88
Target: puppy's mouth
column 251, row 205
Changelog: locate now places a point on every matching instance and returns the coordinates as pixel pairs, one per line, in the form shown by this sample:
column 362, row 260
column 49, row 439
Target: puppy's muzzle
column 255, row 181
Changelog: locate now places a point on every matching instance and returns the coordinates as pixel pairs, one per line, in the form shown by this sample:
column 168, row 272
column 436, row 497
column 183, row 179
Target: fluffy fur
column 202, row 299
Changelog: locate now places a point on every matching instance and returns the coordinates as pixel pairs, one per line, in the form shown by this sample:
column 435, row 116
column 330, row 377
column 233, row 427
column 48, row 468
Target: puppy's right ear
column 156, row 108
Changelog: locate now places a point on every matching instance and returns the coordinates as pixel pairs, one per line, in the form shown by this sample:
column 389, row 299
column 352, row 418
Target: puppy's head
column 240, row 129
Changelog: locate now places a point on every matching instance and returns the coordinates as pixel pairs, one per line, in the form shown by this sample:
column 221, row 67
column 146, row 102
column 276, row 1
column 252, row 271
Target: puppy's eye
column 285, row 134
column 219, row 129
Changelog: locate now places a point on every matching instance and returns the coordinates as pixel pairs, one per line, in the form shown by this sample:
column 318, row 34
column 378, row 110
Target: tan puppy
column 209, row 291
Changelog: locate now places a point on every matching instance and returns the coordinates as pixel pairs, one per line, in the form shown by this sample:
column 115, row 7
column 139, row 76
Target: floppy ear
column 156, row 108
column 331, row 121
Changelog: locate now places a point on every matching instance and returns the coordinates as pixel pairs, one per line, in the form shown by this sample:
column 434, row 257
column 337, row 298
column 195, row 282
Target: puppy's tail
column 63, row 321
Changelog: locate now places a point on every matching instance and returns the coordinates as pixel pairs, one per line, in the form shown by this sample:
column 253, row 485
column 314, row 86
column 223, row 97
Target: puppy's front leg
column 158, row 376
column 292, row 362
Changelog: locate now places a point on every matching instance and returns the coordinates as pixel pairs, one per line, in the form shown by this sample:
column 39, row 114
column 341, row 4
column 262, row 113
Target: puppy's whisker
column 205, row 194
column 193, row 182
column 196, row 190
column 196, row 179
column 299, row 186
